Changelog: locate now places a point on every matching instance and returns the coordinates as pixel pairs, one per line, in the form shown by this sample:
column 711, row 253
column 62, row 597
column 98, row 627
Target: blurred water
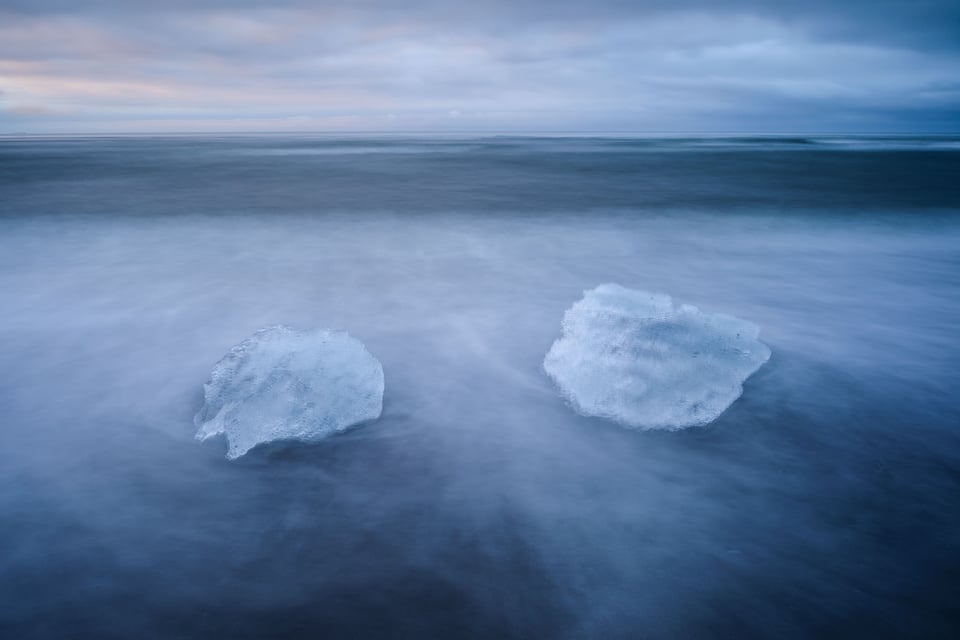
column 822, row 503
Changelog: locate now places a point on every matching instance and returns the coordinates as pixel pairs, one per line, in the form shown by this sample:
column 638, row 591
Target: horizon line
column 506, row 132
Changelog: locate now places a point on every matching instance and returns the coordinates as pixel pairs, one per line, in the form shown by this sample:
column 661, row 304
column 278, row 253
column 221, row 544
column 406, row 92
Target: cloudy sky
column 486, row 65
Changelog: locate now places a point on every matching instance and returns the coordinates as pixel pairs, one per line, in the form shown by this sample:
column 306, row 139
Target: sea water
column 823, row 502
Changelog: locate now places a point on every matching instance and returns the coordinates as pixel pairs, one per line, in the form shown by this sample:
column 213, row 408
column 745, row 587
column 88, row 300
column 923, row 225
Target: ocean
column 825, row 502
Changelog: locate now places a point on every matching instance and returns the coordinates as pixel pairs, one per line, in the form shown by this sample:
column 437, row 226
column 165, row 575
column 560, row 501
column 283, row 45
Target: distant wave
column 639, row 144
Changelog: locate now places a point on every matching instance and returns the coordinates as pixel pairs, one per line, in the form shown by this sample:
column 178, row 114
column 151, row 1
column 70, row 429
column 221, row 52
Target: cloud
column 28, row 110
column 514, row 65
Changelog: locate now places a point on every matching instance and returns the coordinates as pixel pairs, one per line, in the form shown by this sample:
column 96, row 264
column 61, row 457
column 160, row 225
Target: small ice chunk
column 636, row 358
column 284, row 384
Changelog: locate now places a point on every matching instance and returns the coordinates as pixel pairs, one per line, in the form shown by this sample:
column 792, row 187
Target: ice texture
column 640, row 360
column 284, row 384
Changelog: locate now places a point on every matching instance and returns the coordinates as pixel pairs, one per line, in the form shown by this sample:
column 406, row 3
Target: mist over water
column 822, row 503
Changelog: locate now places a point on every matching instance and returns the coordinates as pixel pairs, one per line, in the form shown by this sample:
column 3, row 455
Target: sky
column 115, row 66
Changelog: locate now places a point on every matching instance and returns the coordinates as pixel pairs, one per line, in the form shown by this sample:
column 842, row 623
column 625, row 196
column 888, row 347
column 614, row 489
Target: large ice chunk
column 636, row 358
column 282, row 384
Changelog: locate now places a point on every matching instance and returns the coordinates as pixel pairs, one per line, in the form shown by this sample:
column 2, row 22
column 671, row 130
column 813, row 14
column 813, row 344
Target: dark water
column 824, row 503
